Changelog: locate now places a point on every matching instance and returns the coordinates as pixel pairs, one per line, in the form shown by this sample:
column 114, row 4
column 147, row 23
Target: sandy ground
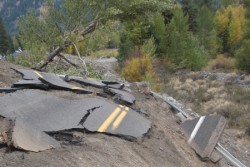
column 164, row 145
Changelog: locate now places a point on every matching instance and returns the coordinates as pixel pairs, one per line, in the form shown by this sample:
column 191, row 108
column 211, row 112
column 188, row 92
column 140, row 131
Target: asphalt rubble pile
column 34, row 119
column 31, row 119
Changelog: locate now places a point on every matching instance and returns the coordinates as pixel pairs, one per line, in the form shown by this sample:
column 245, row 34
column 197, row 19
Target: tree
column 229, row 23
column 183, row 48
column 125, row 47
column 4, row 39
column 206, row 33
column 54, row 28
column 190, row 9
column 158, row 31
column 243, row 53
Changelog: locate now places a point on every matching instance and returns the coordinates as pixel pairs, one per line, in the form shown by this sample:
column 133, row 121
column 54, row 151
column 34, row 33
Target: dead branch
column 83, row 61
column 67, row 60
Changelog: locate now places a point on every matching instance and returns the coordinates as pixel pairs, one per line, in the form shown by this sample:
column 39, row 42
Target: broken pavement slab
column 121, row 96
column 203, row 133
column 94, row 82
column 27, row 74
column 117, row 120
column 52, row 114
column 30, row 84
column 28, row 137
column 114, row 84
column 48, row 113
column 87, row 82
column 56, row 82
column 50, row 79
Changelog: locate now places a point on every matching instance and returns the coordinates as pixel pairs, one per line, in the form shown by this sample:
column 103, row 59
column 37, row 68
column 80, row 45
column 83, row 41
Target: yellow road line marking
column 75, row 87
column 37, row 73
column 108, row 121
column 120, row 118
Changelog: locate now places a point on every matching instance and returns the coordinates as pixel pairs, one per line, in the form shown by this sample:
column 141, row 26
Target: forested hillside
column 10, row 10
column 185, row 34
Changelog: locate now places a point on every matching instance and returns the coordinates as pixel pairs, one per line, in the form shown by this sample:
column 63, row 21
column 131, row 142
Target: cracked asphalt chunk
column 117, row 120
column 121, row 96
column 203, row 133
column 113, row 84
column 56, row 82
column 48, row 113
column 31, row 84
column 87, row 82
column 28, row 137
column 27, row 74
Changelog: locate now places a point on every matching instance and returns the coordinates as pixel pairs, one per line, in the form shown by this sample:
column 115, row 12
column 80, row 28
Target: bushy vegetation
column 221, row 62
column 138, row 69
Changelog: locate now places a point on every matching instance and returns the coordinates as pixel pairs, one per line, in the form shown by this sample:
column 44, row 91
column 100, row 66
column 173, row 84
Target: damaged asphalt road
column 52, row 114
column 34, row 115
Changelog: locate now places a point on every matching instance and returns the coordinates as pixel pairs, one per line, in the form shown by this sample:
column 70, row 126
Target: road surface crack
column 84, row 118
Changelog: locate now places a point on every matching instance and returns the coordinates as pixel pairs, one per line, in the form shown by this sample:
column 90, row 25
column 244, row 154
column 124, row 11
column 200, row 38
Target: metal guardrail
column 218, row 146
column 228, row 156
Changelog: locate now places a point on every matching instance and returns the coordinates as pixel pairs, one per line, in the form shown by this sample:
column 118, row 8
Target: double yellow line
column 116, row 116
column 37, row 73
column 121, row 111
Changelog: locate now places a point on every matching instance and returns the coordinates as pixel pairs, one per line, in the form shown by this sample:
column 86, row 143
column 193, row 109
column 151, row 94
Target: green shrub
column 149, row 48
column 125, row 46
column 243, row 57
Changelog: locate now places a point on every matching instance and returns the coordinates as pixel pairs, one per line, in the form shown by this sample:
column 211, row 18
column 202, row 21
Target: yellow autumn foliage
column 231, row 19
column 138, row 69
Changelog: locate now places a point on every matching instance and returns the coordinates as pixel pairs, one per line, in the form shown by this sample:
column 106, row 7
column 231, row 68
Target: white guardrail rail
column 218, row 146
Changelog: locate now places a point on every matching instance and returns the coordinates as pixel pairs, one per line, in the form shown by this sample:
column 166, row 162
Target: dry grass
column 221, row 62
column 105, row 53
column 208, row 96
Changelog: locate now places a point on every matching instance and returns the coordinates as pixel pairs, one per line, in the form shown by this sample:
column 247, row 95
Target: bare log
column 54, row 53
column 67, row 60
column 89, row 29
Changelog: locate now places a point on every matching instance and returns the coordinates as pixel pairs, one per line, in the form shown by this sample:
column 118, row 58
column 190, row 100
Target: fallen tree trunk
column 50, row 57
column 67, row 60
column 87, row 30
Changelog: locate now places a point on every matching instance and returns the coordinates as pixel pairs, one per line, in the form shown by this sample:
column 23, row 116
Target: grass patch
column 105, row 53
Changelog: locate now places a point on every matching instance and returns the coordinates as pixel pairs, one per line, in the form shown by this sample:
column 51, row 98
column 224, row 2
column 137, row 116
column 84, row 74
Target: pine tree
column 4, row 39
column 205, row 30
column 158, row 31
column 183, row 48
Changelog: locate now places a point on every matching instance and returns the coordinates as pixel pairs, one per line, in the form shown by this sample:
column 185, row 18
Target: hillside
column 10, row 10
